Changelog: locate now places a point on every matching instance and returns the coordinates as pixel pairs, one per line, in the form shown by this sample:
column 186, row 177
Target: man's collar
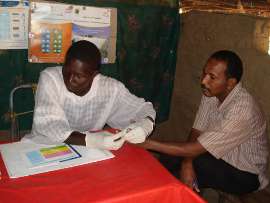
column 231, row 95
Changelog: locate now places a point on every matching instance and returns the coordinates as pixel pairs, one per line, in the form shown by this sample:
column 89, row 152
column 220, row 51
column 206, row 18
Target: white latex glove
column 103, row 140
column 137, row 132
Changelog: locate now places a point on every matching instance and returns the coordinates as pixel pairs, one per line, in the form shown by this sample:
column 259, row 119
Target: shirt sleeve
column 236, row 126
column 49, row 123
column 129, row 108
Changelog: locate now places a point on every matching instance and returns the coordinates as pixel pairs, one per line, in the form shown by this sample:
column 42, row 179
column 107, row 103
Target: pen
column 195, row 185
column 119, row 138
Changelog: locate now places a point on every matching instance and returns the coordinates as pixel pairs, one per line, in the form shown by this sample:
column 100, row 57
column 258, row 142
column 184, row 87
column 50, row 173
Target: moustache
column 203, row 87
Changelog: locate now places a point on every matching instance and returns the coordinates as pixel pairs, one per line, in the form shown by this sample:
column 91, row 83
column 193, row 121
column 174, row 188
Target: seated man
column 227, row 147
column 75, row 99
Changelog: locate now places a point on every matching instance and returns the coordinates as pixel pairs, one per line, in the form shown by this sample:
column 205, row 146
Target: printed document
column 28, row 158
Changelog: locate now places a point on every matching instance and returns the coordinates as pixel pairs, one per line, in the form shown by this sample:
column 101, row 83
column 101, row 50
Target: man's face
column 213, row 80
column 78, row 76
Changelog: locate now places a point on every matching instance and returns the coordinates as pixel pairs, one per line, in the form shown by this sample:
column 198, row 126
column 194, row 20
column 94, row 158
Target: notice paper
column 55, row 26
column 27, row 158
column 14, row 24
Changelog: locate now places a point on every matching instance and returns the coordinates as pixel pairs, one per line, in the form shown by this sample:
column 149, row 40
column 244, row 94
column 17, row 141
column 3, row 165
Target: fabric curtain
column 147, row 36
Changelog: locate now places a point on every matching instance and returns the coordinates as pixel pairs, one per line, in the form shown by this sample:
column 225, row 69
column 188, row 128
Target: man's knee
column 203, row 161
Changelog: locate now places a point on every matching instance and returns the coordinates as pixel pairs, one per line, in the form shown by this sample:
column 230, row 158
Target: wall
column 201, row 34
column 146, row 44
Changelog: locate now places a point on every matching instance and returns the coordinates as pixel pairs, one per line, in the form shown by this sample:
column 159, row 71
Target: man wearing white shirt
column 76, row 98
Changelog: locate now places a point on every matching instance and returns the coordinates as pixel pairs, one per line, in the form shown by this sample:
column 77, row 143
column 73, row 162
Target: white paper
column 17, row 166
column 14, row 24
column 97, row 25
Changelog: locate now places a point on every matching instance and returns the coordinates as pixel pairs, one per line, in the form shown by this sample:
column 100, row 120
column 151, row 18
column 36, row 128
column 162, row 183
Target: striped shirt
column 59, row 112
column 235, row 131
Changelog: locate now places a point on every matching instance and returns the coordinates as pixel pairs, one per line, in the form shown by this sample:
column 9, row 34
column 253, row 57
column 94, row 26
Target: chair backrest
column 15, row 129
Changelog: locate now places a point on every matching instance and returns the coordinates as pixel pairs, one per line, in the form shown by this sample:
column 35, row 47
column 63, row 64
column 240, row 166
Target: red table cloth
column 133, row 175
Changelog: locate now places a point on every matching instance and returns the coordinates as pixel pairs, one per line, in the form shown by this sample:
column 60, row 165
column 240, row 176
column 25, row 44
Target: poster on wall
column 14, row 24
column 55, row 26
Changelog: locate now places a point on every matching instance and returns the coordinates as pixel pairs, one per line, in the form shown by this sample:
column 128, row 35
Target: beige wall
column 203, row 33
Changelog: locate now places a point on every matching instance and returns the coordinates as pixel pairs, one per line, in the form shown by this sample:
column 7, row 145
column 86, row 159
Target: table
column 133, row 175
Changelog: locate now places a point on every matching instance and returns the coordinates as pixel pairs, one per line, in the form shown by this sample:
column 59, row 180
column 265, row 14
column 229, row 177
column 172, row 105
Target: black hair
column 85, row 51
column 233, row 61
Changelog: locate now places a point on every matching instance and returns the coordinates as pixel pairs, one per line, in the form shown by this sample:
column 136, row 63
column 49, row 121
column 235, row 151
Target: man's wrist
column 76, row 138
column 188, row 162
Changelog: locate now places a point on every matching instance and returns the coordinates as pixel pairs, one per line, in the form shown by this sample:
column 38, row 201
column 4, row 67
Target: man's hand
column 138, row 131
column 187, row 175
column 104, row 140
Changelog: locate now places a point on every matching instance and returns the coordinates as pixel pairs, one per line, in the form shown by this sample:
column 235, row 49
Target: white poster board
column 54, row 26
column 14, row 24
column 17, row 165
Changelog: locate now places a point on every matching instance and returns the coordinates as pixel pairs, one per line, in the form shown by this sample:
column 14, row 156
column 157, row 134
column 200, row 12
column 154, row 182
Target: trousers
column 214, row 173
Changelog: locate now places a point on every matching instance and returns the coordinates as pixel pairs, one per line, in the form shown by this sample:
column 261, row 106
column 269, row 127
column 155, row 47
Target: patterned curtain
column 147, row 36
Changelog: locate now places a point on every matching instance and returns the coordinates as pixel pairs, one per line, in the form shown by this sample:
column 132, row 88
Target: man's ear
column 232, row 82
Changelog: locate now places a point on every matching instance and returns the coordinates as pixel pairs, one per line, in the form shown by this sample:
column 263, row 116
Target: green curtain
column 147, row 36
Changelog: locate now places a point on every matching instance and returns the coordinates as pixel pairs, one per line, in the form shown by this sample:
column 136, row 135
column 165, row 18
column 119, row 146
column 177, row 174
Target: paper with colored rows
column 18, row 164
column 48, row 155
